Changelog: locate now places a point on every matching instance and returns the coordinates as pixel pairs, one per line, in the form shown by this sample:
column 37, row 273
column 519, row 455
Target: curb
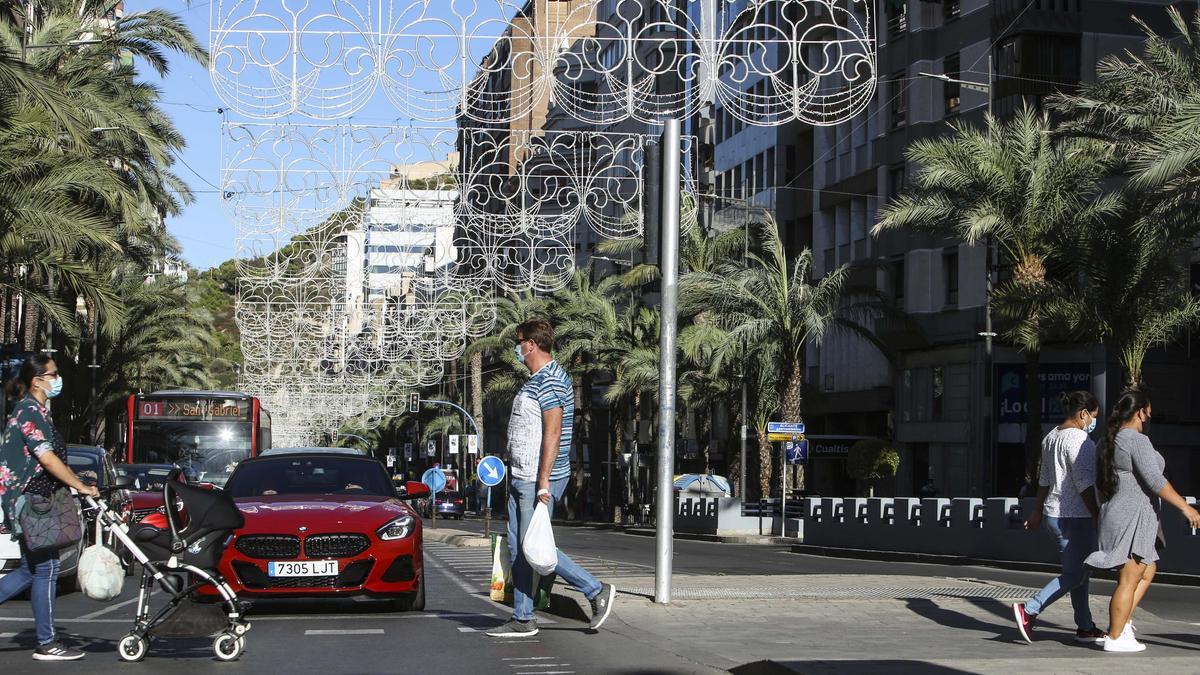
column 457, row 538
column 960, row 560
column 760, row 540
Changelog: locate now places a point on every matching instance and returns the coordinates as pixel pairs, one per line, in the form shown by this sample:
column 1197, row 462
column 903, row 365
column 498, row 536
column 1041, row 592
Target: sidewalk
column 874, row 624
column 864, row 624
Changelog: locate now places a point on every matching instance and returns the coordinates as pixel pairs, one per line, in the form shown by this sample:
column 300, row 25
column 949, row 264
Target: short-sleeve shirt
column 548, row 388
column 1068, row 468
column 28, row 434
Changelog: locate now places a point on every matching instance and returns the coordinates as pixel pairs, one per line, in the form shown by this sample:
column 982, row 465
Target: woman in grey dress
column 1129, row 481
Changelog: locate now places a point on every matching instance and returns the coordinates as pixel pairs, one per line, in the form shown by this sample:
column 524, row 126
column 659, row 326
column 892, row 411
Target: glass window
column 952, row 91
column 899, row 99
column 950, row 274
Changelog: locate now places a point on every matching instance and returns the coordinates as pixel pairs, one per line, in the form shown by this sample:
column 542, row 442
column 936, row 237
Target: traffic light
column 414, row 402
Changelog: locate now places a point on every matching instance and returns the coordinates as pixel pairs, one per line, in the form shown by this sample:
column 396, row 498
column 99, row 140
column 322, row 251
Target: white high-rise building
column 406, row 238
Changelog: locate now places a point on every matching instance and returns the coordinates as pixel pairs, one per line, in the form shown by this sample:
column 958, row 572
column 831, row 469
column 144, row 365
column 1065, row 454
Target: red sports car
column 323, row 524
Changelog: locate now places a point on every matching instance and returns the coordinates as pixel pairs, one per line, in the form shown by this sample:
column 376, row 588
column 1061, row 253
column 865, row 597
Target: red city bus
column 206, row 433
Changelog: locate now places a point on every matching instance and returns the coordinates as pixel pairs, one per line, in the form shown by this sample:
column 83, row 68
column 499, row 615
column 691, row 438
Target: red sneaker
column 1024, row 621
column 1091, row 636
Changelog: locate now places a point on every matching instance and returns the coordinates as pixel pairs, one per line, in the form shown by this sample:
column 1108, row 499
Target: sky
column 204, row 230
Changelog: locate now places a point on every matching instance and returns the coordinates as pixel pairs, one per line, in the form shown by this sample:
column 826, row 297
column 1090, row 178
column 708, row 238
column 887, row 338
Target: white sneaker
column 1124, row 644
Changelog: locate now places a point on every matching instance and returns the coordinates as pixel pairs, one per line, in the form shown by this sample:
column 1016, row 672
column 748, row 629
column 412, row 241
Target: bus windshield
column 206, row 451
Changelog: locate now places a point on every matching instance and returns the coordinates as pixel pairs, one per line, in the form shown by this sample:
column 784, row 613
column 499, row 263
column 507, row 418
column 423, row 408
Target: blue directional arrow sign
column 491, row 471
column 785, row 427
column 435, row 479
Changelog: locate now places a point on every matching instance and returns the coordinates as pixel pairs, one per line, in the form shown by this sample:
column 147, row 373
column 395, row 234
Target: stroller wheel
column 133, row 647
column 228, row 646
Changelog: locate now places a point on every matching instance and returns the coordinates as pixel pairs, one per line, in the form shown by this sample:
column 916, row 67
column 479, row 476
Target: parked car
column 324, row 524
column 146, row 494
column 450, row 505
column 94, row 468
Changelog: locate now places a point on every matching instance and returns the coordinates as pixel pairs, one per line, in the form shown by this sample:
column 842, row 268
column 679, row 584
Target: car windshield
column 146, row 478
column 206, row 450
column 87, row 467
column 342, row 475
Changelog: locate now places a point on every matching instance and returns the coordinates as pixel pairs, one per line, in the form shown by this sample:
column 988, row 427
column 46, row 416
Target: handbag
column 50, row 522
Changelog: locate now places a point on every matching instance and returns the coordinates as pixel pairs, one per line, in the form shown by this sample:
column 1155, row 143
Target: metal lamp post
column 988, row 333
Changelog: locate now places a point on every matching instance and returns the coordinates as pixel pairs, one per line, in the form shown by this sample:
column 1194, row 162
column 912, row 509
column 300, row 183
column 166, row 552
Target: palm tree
column 767, row 312
column 1145, row 105
column 1015, row 186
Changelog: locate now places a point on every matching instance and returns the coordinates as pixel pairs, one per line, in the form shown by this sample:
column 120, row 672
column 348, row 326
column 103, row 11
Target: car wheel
column 415, row 601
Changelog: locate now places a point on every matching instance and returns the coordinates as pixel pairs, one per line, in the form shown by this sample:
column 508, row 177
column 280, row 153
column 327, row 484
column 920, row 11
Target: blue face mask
column 519, row 354
column 56, row 386
column 1091, row 426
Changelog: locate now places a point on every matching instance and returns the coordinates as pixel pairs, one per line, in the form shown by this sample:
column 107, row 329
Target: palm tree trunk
column 1033, row 413
column 792, row 403
column 735, row 459
column 615, row 504
column 765, row 465
column 477, row 394
column 637, row 427
column 595, row 453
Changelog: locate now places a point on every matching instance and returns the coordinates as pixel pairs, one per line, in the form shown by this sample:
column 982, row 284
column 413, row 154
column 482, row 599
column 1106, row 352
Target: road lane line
column 348, row 631
column 341, row 617
column 528, row 658
column 538, row 665
column 8, row 635
column 106, row 610
column 465, row 629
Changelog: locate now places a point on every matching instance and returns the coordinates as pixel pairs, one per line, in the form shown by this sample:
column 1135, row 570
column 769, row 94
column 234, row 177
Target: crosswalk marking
column 346, row 631
column 476, row 563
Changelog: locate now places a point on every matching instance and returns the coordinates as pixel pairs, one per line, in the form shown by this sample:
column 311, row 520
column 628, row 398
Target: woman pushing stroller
column 33, row 466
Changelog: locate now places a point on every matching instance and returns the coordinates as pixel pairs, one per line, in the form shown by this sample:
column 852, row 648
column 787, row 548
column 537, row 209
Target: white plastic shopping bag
column 101, row 575
column 538, row 544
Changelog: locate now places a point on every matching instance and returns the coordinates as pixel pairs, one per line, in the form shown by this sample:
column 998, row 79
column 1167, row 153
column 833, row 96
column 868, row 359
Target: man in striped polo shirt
column 539, row 443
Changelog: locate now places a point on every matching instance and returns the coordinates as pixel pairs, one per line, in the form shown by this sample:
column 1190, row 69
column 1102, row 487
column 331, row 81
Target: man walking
column 539, row 441
column 1066, row 498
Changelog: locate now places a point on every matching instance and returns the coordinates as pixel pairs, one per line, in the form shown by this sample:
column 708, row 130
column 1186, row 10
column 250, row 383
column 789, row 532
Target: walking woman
column 1066, row 505
column 35, row 463
column 1129, row 481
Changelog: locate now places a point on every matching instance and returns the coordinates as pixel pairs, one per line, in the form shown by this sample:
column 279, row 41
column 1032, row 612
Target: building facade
column 954, row 425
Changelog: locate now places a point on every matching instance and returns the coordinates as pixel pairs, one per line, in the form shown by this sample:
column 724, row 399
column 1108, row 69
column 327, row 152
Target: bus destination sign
column 193, row 409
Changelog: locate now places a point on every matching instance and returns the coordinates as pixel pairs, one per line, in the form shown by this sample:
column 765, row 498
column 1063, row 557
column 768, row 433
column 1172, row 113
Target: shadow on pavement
column 1186, row 639
column 952, row 619
column 847, row 667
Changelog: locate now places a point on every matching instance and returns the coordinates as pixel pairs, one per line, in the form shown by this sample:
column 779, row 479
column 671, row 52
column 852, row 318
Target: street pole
column 669, row 265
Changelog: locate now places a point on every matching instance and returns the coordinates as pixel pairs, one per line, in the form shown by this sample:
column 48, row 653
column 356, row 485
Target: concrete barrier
column 984, row 529
column 722, row 516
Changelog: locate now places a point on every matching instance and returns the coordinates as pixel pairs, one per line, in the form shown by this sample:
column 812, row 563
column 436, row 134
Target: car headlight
column 396, row 529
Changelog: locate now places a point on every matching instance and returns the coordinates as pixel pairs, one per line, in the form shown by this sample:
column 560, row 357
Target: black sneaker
column 55, row 651
column 602, row 605
column 515, row 629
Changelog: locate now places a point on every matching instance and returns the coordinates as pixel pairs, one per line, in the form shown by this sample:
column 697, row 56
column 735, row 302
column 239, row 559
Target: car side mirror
column 123, row 483
column 413, row 490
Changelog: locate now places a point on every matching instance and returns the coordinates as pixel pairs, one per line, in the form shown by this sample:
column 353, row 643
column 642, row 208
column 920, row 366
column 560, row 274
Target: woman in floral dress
column 33, row 460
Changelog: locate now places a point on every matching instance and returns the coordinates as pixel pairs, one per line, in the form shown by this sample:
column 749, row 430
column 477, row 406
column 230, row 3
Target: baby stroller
column 180, row 558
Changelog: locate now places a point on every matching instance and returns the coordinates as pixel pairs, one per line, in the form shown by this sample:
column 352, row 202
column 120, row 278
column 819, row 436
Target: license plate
column 303, row 568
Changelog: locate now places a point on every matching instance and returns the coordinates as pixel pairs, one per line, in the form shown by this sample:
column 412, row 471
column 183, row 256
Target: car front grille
column 139, row 514
column 335, row 545
column 269, row 546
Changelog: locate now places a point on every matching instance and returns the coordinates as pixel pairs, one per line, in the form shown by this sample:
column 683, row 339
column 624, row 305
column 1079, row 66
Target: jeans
column 1076, row 540
column 521, row 501
column 39, row 573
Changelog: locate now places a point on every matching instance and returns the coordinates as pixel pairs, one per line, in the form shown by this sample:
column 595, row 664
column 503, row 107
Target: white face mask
column 1091, row 426
column 519, row 354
